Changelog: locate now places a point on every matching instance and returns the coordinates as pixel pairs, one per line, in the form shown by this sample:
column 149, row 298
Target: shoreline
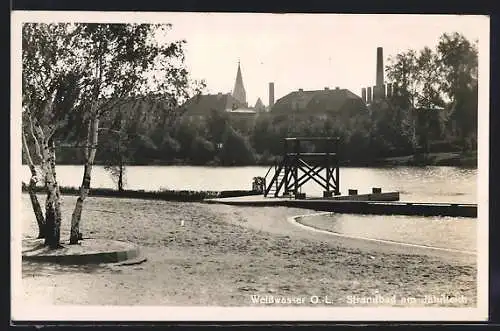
column 166, row 195
column 446, row 159
column 311, row 225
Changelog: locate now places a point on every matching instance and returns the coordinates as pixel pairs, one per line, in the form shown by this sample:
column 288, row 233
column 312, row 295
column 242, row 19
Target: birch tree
column 73, row 74
column 50, row 77
column 125, row 61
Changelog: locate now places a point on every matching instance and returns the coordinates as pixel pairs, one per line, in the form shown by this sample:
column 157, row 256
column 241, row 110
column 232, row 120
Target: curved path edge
column 123, row 251
column 293, row 220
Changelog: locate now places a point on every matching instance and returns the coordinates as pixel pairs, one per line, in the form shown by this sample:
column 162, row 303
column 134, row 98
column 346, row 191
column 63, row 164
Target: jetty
column 316, row 159
column 356, row 206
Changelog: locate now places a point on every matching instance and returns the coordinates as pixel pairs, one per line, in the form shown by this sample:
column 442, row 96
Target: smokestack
column 380, row 66
column 375, row 93
column 271, row 95
column 369, row 95
column 363, row 94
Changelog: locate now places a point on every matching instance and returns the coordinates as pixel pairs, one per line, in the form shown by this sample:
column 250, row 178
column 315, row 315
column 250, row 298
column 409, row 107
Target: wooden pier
column 357, row 207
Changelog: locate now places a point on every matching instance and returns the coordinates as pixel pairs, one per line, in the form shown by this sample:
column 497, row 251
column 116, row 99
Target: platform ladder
column 276, row 179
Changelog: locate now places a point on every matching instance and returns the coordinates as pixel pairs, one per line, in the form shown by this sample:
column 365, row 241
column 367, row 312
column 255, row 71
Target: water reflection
column 436, row 184
column 446, row 232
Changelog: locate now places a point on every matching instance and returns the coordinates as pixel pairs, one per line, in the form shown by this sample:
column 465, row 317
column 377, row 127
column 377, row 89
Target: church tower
column 239, row 90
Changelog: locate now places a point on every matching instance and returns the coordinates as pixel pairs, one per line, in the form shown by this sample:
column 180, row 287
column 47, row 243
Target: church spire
column 239, row 90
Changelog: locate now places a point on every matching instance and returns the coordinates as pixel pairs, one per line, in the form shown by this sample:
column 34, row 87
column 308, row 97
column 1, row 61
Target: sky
column 308, row 51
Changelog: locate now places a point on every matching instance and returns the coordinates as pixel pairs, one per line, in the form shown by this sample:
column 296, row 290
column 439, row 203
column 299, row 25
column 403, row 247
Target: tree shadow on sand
column 34, row 248
column 31, row 268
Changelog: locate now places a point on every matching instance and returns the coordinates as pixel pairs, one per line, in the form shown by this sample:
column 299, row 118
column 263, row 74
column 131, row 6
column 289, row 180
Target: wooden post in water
column 286, row 165
column 276, row 167
column 328, row 166
column 296, row 168
column 337, row 171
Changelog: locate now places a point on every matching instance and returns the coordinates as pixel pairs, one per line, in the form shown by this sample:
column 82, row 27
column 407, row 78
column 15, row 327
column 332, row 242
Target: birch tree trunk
column 37, row 135
column 90, row 152
column 40, row 220
column 120, row 177
column 53, row 208
column 57, row 200
column 38, row 150
column 52, row 204
column 121, row 151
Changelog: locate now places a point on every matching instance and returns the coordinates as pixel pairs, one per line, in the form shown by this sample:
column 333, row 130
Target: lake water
column 417, row 184
column 445, row 232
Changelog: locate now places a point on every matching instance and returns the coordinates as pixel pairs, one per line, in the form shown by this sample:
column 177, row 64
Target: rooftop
column 201, row 104
column 325, row 99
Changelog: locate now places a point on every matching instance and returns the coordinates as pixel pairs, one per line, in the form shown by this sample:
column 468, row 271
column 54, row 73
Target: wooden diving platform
column 301, row 163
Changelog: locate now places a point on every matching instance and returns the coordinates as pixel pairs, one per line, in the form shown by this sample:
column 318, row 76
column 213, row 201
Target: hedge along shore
column 224, row 255
column 167, row 195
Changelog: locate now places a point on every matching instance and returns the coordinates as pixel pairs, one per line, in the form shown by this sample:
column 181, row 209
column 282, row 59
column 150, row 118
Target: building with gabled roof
column 319, row 101
column 202, row 104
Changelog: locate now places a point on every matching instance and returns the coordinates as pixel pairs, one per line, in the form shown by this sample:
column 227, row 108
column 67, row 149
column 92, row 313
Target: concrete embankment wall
column 387, row 208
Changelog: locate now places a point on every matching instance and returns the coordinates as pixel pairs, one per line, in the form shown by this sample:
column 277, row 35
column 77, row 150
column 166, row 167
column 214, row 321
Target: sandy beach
column 229, row 256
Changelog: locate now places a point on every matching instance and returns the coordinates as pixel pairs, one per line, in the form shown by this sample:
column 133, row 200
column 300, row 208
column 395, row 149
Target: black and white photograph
column 190, row 166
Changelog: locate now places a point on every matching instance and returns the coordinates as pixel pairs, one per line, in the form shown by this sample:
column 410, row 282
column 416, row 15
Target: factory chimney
column 380, row 67
column 271, row 95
